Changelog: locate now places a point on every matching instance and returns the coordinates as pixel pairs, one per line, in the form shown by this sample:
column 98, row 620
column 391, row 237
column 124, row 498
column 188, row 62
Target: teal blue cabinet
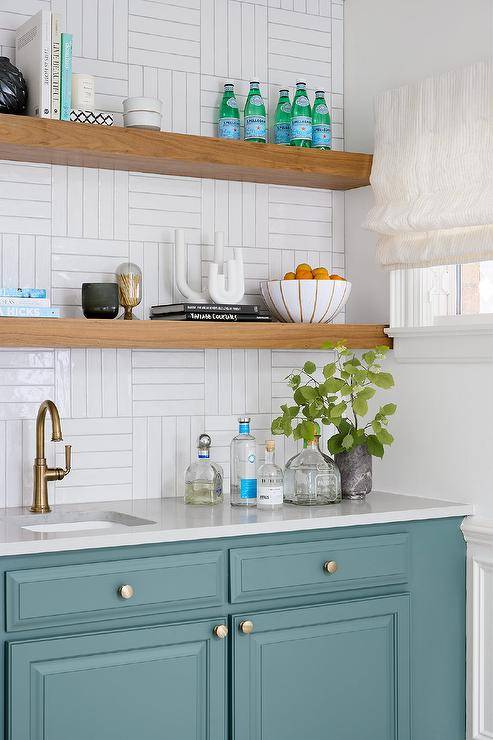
column 338, row 671
column 357, row 633
column 142, row 684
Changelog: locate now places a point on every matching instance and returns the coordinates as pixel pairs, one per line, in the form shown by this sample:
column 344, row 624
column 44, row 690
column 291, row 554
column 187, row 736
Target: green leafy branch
column 340, row 399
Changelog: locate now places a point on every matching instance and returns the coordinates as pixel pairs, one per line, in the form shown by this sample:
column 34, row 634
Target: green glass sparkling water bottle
column 282, row 125
column 229, row 114
column 255, row 120
column 301, row 117
column 321, row 133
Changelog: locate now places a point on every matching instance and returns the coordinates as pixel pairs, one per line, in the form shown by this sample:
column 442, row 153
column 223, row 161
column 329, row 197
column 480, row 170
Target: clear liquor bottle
column 204, row 478
column 311, row 478
column 270, row 480
column 321, row 124
column 301, row 117
column 282, row 123
column 243, row 487
column 255, row 119
column 229, row 114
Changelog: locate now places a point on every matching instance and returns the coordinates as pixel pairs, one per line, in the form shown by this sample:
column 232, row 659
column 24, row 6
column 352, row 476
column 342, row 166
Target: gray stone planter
column 356, row 472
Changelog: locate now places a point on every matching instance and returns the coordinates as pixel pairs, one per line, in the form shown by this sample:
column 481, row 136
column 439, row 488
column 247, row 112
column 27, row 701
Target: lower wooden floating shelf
column 15, row 332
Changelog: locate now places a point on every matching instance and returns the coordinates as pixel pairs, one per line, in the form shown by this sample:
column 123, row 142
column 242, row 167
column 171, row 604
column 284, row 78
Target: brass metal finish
column 330, row 566
column 246, row 627
column 41, row 472
column 126, row 591
column 221, row 631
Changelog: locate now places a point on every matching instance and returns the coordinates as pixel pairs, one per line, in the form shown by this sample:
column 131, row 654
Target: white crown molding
column 462, row 343
column 479, row 536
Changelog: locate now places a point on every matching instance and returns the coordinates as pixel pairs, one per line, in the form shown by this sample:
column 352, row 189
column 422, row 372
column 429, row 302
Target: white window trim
column 460, row 341
column 415, row 296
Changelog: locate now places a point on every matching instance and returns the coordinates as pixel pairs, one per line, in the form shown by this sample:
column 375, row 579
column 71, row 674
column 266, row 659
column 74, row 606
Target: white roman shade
column 432, row 171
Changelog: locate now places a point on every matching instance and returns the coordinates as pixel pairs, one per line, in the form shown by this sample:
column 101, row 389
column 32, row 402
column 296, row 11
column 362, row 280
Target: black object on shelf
column 100, row 300
column 13, row 88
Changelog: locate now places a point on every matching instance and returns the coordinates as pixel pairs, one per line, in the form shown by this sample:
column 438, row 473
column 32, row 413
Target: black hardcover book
column 209, row 316
column 203, row 308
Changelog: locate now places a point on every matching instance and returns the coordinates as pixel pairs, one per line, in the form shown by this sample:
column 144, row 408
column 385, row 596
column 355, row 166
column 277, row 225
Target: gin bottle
column 282, row 125
column 301, row 117
column 255, row 120
column 243, row 466
column 203, row 478
column 229, row 114
column 311, row 478
column 321, row 132
column 269, row 481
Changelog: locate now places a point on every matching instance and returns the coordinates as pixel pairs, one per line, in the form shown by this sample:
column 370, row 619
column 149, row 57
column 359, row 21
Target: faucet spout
column 56, row 435
column 42, row 473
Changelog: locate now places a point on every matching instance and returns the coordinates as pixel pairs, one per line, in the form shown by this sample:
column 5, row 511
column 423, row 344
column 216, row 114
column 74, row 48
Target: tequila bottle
column 229, row 114
column 204, row 478
column 282, row 125
column 321, row 131
column 243, row 466
column 301, row 117
column 311, row 478
column 269, row 481
column 255, row 120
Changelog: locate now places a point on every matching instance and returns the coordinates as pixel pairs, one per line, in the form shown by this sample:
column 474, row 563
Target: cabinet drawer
column 70, row 594
column 276, row 571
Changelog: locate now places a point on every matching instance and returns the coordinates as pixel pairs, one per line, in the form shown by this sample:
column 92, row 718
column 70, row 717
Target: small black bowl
column 100, row 300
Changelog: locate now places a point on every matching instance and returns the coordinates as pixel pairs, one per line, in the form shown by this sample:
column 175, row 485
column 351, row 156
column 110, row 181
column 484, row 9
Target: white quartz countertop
column 173, row 521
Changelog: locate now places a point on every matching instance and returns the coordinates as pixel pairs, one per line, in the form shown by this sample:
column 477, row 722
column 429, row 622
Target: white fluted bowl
column 305, row 301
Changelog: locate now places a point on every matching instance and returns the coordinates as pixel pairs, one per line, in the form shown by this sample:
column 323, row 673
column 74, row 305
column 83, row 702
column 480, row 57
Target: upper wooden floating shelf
column 16, row 332
column 80, row 144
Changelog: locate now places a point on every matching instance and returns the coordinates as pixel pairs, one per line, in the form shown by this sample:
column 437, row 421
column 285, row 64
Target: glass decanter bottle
column 312, row 478
column 269, row 480
column 204, row 478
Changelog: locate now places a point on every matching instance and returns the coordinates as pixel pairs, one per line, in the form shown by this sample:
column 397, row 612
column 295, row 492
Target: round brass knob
column 246, row 627
column 330, row 566
column 221, row 631
column 126, row 591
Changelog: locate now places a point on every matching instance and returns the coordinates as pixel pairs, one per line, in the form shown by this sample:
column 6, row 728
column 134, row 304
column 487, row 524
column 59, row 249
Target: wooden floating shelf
column 15, row 332
column 60, row 142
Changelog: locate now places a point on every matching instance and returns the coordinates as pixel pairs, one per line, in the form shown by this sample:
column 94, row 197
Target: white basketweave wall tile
column 133, row 417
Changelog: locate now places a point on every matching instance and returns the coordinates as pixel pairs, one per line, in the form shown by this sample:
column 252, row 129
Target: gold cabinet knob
column 126, row 591
column 330, row 566
column 246, row 626
column 221, row 631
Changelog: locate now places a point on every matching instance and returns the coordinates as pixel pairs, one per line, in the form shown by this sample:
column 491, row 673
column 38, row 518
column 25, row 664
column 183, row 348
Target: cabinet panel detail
column 259, row 573
column 339, row 671
column 73, row 594
column 148, row 683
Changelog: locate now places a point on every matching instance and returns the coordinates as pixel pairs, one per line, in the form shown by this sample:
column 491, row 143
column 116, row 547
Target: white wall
column 133, row 416
column 389, row 43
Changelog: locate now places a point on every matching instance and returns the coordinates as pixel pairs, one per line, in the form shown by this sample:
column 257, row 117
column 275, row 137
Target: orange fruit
column 289, row 276
column 336, row 277
column 304, row 275
column 320, row 273
column 321, row 277
column 303, row 267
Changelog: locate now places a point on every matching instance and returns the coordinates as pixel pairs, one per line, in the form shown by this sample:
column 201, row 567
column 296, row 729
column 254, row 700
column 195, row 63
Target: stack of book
column 43, row 53
column 209, row 312
column 27, row 303
column 44, row 56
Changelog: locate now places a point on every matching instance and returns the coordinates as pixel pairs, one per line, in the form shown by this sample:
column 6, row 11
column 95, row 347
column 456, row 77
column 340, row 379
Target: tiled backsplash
column 133, row 416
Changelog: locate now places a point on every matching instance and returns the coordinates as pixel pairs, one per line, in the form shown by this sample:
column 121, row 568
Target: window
column 418, row 295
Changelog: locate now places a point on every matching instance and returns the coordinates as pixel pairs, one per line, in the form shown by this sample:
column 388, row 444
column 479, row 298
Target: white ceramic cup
column 142, row 113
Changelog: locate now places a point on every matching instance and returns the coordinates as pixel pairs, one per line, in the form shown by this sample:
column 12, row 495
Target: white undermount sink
column 80, row 521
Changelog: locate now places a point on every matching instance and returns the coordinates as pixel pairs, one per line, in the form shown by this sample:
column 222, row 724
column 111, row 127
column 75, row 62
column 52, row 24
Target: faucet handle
column 68, row 459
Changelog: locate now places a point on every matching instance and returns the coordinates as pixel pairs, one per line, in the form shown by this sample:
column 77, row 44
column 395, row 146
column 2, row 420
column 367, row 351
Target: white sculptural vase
column 226, row 282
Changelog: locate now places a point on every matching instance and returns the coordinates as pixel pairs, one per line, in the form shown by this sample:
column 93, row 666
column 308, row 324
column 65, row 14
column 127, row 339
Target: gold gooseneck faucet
column 42, row 473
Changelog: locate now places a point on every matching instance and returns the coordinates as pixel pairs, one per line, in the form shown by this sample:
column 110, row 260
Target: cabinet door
column 143, row 684
column 332, row 672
